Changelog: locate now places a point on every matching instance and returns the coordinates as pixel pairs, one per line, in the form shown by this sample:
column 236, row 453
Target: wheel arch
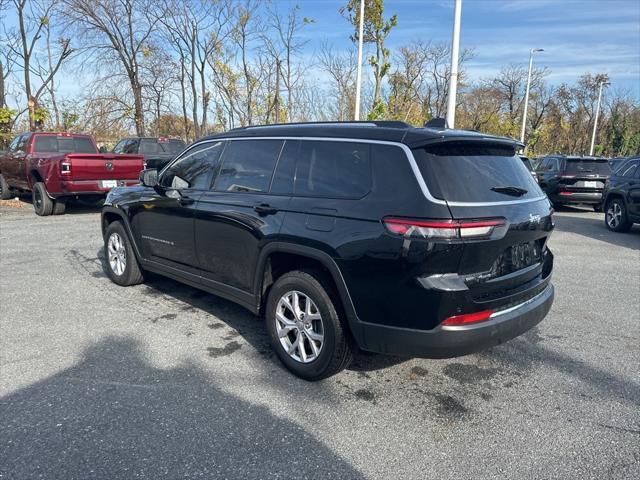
column 613, row 195
column 270, row 268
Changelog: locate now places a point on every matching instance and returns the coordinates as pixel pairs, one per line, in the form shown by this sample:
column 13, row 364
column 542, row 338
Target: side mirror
column 149, row 177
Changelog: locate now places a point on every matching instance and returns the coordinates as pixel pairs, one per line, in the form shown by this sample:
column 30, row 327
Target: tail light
column 565, row 193
column 65, row 168
column 467, row 318
column 443, row 229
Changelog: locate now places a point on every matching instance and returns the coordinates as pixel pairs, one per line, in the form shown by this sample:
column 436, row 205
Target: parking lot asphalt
column 165, row 381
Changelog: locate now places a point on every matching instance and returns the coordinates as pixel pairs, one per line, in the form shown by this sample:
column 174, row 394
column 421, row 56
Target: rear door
column 239, row 214
column 163, row 221
column 490, row 183
column 630, row 173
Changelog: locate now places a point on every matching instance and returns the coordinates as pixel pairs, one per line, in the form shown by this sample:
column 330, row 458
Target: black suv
column 382, row 236
column 573, row 180
column 622, row 197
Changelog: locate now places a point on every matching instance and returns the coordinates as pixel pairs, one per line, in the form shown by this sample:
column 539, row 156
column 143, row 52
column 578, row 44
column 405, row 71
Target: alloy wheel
column 614, row 215
column 117, row 254
column 299, row 326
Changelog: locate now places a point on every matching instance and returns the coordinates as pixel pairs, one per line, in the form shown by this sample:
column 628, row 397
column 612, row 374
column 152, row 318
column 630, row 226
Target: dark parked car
column 617, row 162
column 573, row 180
column 157, row 151
column 622, row 197
column 528, row 164
column 399, row 240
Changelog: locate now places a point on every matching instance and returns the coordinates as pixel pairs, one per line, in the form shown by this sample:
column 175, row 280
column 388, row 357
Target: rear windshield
column 153, row 145
column 468, row 172
column 527, row 163
column 588, row 166
column 53, row 144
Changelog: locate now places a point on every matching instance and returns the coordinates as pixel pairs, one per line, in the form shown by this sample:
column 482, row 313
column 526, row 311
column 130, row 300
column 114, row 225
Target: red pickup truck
column 57, row 167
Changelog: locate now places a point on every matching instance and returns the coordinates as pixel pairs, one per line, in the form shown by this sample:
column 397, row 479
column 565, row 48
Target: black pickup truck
column 157, row 151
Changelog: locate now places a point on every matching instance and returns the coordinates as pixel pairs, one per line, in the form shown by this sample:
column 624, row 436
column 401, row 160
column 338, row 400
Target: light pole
column 453, row 80
column 526, row 95
column 359, row 74
column 595, row 120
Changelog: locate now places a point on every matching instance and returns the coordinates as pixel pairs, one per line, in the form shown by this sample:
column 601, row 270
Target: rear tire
column 5, row 193
column 615, row 216
column 121, row 262
column 325, row 345
column 42, row 204
column 59, row 207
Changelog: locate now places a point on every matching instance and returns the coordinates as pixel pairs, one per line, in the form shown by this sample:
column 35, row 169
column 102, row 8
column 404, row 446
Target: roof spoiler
column 438, row 122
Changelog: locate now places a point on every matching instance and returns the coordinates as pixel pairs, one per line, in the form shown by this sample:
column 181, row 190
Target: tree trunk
column 138, row 113
column 3, row 100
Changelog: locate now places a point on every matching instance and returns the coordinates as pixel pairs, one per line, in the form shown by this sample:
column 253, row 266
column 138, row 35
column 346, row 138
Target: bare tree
column 196, row 30
column 122, row 29
column 284, row 44
column 33, row 20
column 341, row 69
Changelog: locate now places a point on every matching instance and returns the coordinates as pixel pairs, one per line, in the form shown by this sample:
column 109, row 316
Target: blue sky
column 579, row 36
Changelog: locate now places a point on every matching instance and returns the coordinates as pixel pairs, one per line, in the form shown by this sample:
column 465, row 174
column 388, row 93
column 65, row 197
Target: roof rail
column 353, row 123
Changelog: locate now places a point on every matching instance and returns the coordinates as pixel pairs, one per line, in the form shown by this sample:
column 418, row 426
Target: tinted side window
column 247, row 165
column 119, row 148
column 22, row 143
column 333, row 169
column 285, row 170
column 195, row 168
column 629, row 170
column 14, row 144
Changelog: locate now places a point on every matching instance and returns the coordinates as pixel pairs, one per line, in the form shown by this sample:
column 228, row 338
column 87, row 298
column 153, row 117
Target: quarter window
column 247, row 165
column 333, row 169
column 195, row 168
column 629, row 170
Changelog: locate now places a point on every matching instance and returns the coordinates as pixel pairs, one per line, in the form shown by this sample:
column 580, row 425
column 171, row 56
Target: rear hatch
column 102, row 166
column 508, row 261
column 584, row 175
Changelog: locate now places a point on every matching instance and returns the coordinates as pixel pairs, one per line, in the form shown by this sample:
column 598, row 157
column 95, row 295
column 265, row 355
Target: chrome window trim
column 409, row 154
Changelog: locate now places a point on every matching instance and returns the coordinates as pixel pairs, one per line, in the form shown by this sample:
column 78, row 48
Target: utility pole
column 453, row 81
column 526, row 95
column 359, row 74
column 595, row 120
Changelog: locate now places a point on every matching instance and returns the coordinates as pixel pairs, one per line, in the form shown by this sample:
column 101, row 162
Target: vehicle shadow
column 574, row 221
column 115, row 416
column 249, row 326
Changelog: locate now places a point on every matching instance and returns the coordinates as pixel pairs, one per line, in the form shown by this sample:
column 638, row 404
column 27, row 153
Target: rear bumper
column 577, row 197
column 88, row 187
column 447, row 342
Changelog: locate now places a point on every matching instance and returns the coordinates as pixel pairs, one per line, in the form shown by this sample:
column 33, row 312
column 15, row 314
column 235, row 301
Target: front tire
column 5, row 193
column 42, row 203
column 122, row 264
column 615, row 217
column 305, row 327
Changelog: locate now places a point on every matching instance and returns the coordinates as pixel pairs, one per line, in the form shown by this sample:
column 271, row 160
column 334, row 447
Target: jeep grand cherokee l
column 573, row 180
column 393, row 239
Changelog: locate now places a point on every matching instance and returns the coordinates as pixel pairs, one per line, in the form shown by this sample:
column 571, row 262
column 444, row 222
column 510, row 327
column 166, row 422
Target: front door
column 163, row 220
column 239, row 213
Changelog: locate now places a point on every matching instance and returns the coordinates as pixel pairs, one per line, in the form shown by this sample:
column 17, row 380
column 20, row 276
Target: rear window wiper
column 513, row 191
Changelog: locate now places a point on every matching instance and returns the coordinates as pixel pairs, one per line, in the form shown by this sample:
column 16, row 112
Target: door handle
column 265, row 209
column 185, row 200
